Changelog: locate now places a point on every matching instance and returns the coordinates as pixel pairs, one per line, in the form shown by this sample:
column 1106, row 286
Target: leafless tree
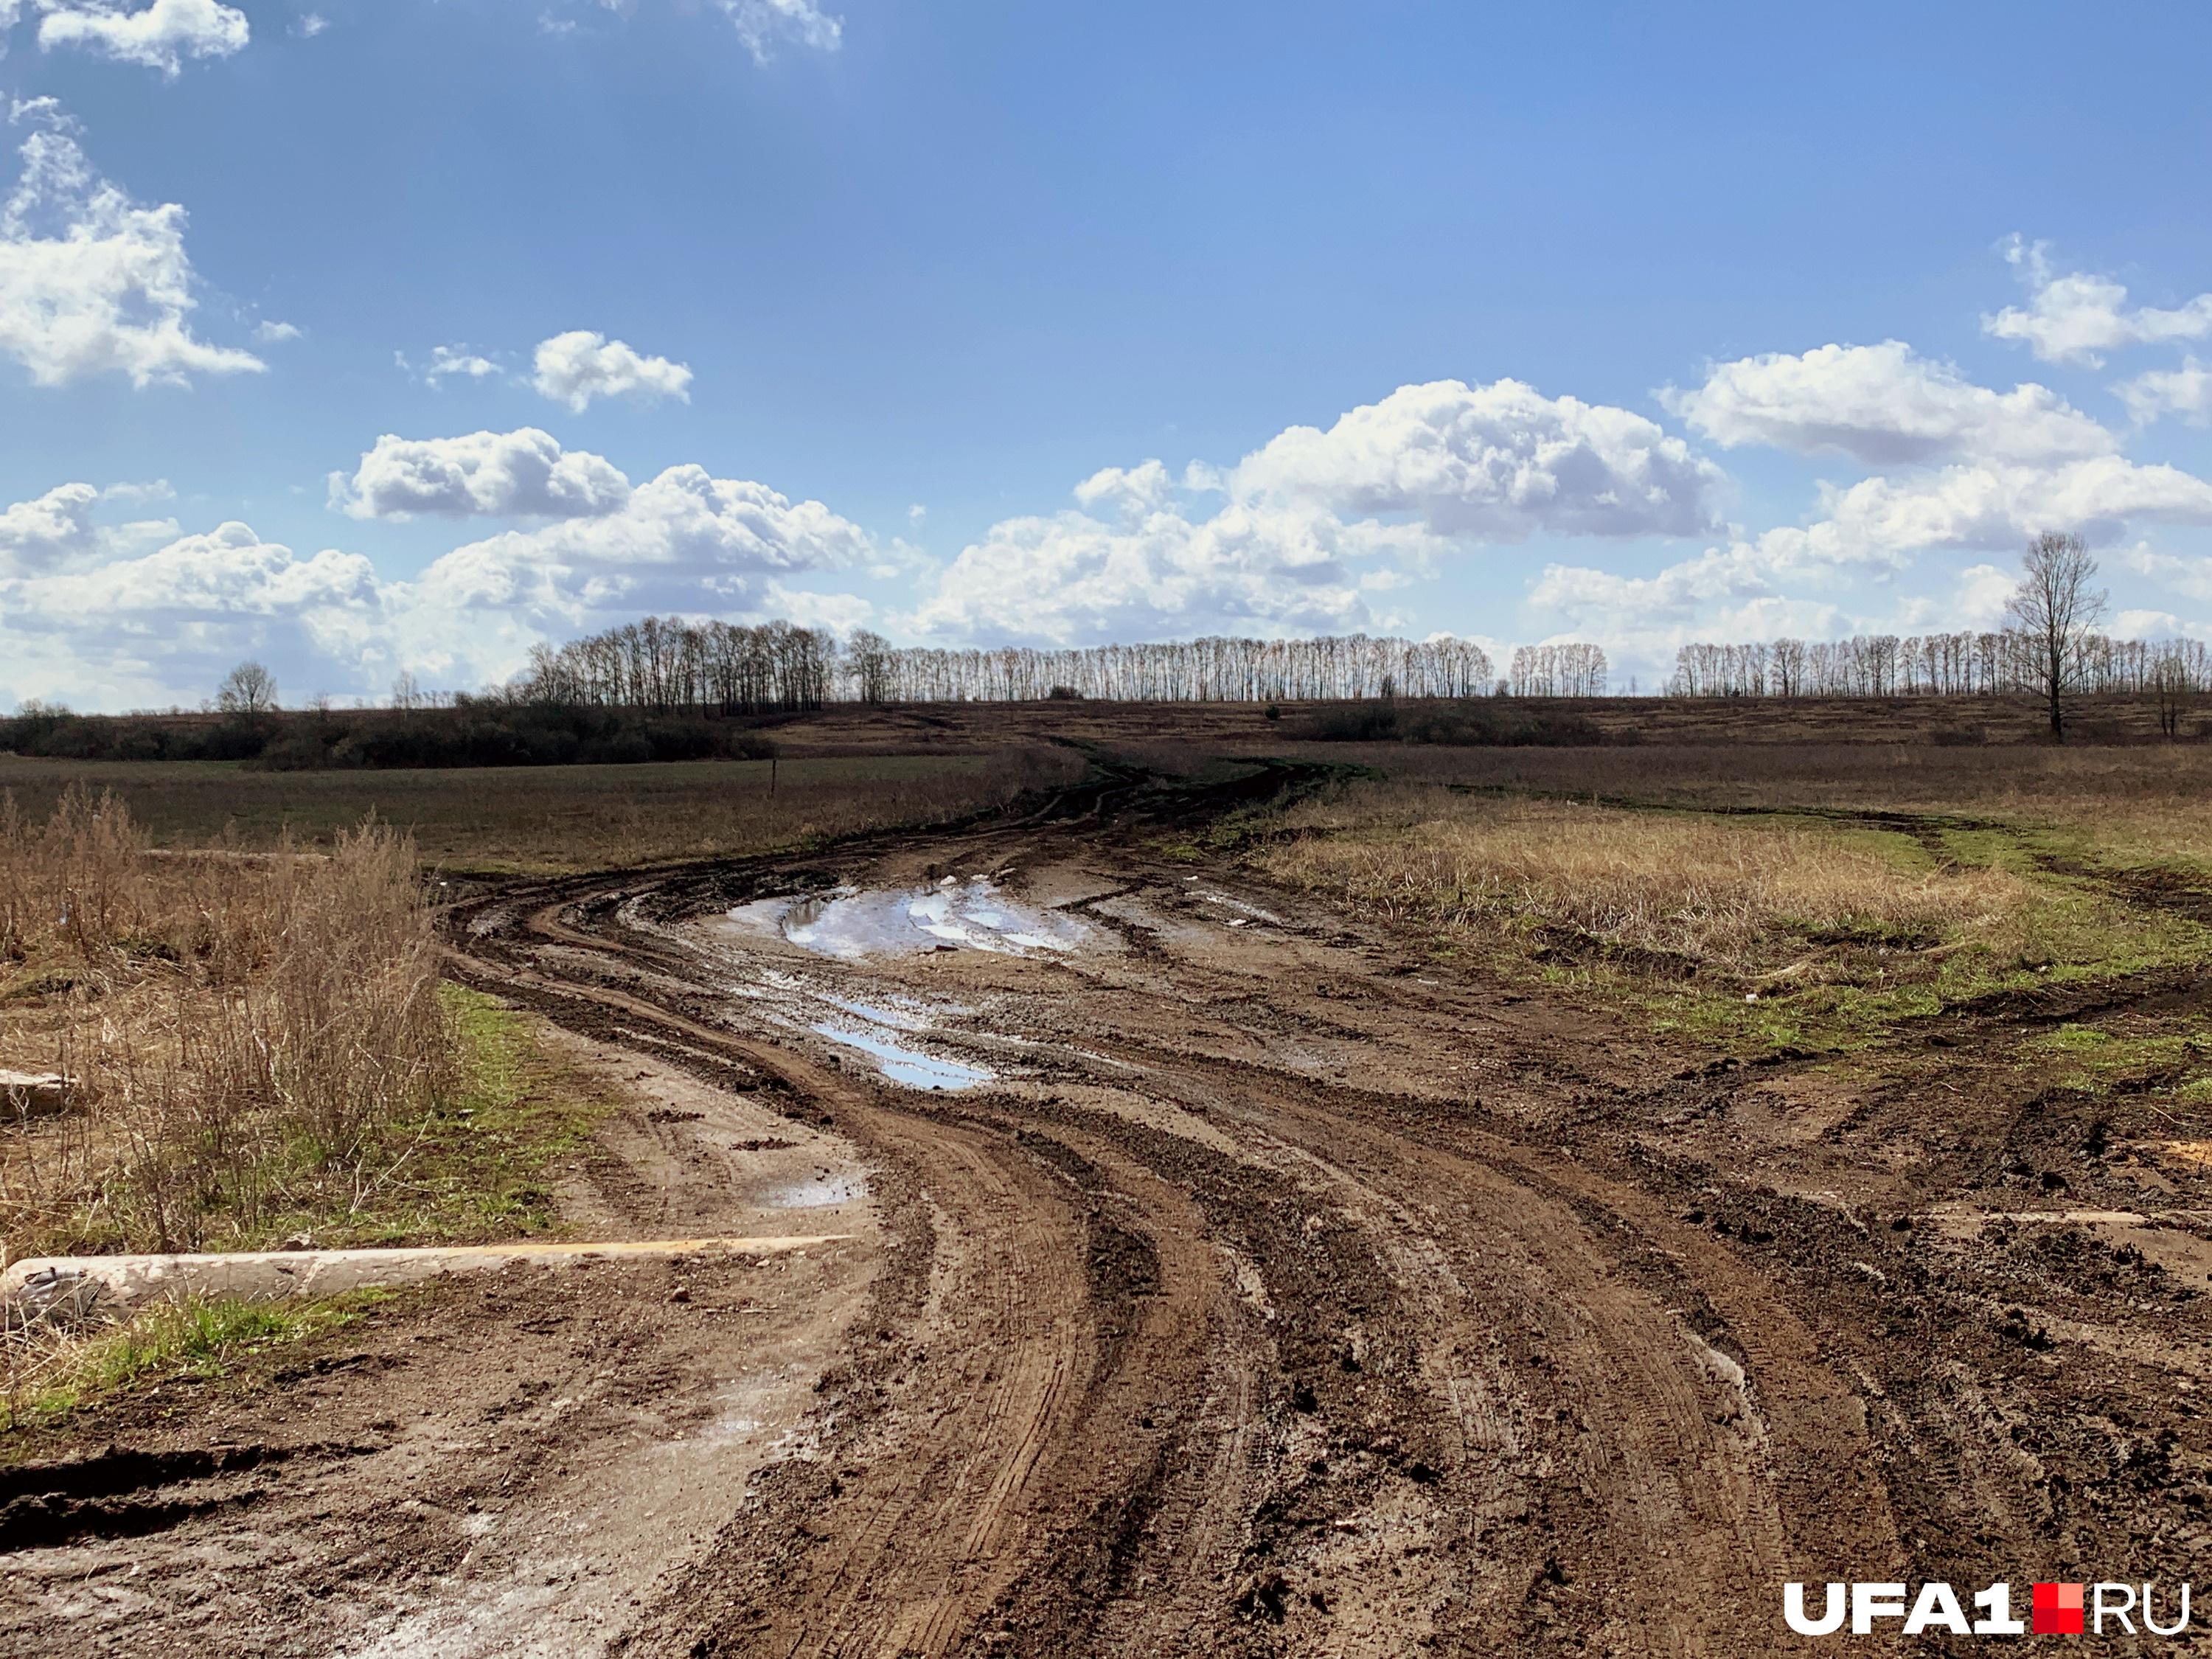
column 868, row 659
column 248, row 688
column 2172, row 680
column 2057, row 609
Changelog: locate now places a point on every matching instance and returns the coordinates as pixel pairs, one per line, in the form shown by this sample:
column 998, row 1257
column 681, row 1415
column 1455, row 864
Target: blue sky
column 364, row 335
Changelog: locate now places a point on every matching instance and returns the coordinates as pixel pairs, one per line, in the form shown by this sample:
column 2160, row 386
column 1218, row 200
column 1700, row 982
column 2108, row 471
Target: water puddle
column 820, row 1192
column 850, row 923
column 903, row 1065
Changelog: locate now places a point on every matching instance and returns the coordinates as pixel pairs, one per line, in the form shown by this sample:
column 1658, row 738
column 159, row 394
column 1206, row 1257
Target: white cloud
column 1494, row 463
column 164, row 626
column 2191, row 578
column 1072, row 579
column 277, row 333
column 446, row 360
column 1871, row 529
column 684, row 540
column 1401, row 480
column 161, row 36
column 311, row 25
column 574, row 367
column 37, row 535
column 524, row 473
column 2076, row 319
column 761, row 23
column 85, row 617
column 1882, row 405
column 2186, row 391
column 92, row 283
column 1139, row 489
column 227, row 572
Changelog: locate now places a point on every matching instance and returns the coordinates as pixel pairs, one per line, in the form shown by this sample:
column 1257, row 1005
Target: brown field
column 554, row 818
column 1401, row 1198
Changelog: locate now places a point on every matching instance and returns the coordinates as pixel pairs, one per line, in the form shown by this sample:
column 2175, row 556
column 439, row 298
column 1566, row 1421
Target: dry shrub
column 242, row 1031
column 1734, row 895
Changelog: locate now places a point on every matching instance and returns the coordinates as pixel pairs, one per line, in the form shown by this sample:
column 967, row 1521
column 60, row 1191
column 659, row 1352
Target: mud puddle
column 852, row 923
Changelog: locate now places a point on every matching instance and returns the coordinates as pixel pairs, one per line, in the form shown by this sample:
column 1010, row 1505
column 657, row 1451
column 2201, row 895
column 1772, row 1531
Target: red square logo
column 2058, row 1610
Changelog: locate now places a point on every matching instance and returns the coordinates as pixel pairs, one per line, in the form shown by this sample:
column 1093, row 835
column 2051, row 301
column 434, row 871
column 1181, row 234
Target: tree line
column 2010, row 661
column 671, row 666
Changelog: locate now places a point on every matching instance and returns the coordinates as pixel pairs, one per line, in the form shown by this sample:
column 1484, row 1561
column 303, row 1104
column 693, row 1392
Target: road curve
column 1260, row 1295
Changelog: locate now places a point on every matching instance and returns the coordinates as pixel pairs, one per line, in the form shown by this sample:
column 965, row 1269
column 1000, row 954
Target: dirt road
column 1217, row 1272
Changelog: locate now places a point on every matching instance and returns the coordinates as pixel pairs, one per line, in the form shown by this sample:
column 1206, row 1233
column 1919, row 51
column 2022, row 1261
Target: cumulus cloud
column 524, row 473
column 1318, row 522
column 1406, row 476
column 683, row 540
column 1139, row 489
column 79, row 618
column 160, row 36
column 1494, row 463
column 574, row 367
column 91, row 282
column 2077, row 318
column 1883, row 405
column 1072, row 580
column 227, row 572
column 36, row 535
column 162, row 627
column 1872, row 530
column 2186, row 391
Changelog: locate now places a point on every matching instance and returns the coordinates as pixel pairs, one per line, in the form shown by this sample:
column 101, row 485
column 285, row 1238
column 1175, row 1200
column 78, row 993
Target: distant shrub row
column 471, row 733
column 1499, row 721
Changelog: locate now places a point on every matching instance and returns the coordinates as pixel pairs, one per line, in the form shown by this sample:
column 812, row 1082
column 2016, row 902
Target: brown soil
column 1286, row 1292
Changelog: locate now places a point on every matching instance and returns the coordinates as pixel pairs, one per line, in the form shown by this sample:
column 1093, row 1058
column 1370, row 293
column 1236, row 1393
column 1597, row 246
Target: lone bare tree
column 248, row 688
column 2057, row 609
column 2172, row 682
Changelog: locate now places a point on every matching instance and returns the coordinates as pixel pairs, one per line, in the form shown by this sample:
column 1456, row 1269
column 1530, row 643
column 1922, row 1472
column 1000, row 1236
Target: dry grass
column 1746, row 897
column 2146, row 801
column 239, row 1030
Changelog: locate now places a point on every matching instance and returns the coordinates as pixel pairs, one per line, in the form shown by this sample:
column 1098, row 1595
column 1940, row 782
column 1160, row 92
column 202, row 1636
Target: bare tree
column 248, row 688
column 2172, row 683
column 2058, row 610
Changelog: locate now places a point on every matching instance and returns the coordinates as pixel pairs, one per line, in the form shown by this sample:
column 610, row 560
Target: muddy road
column 1205, row 1270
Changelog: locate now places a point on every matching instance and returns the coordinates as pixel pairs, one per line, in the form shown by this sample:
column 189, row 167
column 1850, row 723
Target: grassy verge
column 206, row 1338
column 479, row 1164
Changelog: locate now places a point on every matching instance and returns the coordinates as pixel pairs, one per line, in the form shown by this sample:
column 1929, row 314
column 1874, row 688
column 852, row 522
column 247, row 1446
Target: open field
column 1403, row 1197
column 553, row 818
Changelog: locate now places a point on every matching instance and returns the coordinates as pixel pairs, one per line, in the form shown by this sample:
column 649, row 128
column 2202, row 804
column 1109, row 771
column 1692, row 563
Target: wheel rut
column 1226, row 1328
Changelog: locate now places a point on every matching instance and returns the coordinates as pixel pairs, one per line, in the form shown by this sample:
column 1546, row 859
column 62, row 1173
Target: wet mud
column 1230, row 1278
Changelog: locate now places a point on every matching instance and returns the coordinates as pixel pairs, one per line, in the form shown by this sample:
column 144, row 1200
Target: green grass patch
column 480, row 1166
column 201, row 1337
